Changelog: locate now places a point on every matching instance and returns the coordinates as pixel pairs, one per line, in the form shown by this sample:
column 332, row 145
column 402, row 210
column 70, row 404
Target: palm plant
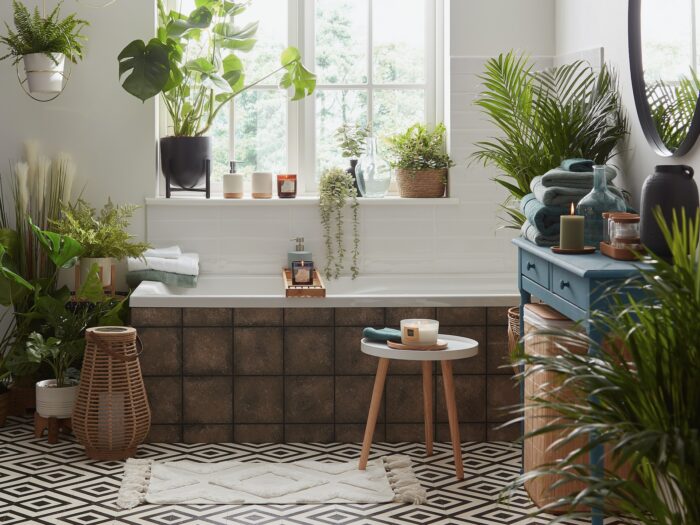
column 545, row 117
column 639, row 396
column 672, row 107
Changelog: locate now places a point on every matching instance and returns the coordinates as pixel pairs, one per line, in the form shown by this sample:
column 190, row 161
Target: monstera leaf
column 61, row 250
column 147, row 67
column 297, row 76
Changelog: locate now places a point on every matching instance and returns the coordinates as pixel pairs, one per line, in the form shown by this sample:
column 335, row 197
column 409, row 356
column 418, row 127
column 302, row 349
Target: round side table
column 458, row 348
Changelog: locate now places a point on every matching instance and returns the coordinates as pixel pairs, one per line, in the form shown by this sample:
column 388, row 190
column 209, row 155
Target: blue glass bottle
column 597, row 202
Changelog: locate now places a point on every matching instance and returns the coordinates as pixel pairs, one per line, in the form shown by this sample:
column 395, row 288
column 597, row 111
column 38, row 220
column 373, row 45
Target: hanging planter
column 45, row 73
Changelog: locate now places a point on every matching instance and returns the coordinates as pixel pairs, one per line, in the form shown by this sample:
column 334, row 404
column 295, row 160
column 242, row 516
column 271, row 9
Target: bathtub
column 257, row 291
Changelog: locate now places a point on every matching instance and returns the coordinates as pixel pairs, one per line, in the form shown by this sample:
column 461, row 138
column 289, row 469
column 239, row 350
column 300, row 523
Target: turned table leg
column 379, row 380
column 428, row 405
column 451, row 404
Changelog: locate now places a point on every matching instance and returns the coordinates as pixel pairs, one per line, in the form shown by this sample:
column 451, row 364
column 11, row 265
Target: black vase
column 183, row 160
column 351, row 171
column 670, row 188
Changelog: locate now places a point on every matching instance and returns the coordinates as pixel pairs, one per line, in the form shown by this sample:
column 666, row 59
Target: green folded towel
column 133, row 279
column 577, row 165
column 532, row 234
column 563, row 195
column 382, row 335
column 571, row 179
column 545, row 218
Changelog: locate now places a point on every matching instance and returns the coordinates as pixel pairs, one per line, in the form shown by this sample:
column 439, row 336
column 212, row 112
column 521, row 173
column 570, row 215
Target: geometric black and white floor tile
column 55, row 484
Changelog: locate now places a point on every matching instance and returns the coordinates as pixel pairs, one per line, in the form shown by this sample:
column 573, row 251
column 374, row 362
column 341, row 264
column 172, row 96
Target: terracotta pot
column 52, row 401
column 422, row 184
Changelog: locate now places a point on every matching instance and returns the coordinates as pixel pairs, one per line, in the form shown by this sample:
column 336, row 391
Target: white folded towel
column 186, row 264
column 171, row 252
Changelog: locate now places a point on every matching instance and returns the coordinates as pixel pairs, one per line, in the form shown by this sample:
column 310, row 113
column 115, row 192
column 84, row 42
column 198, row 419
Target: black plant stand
column 207, row 188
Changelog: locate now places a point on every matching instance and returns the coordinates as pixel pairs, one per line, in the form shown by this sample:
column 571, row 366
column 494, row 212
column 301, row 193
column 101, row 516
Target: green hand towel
column 545, row 218
column 570, row 179
column 533, row 235
column 382, row 335
column 133, row 279
column 577, row 165
column 563, row 195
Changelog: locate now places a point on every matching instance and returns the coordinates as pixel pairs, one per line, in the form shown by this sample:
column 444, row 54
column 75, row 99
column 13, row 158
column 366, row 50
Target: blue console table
column 575, row 286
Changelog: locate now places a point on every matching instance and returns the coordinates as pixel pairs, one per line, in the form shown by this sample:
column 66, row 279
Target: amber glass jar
column 286, row 186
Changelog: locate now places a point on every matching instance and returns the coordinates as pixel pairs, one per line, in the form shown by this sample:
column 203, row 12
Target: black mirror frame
column 639, row 89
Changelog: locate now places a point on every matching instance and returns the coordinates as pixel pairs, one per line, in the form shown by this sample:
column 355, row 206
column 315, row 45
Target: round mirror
column 665, row 67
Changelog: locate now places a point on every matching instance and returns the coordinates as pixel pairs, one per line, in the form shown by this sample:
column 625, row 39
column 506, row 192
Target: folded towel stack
column 165, row 265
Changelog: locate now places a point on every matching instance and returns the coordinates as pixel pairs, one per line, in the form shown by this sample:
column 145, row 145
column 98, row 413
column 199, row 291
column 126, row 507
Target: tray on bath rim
column 318, row 289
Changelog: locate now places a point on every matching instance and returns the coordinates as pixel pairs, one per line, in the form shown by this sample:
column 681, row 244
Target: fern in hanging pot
column 337, row 190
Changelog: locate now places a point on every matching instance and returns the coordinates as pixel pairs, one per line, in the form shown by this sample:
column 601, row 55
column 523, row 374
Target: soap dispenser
column 233, row 183
column 300, row 254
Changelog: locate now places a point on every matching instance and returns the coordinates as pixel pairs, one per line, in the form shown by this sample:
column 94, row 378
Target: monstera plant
column 194, row 63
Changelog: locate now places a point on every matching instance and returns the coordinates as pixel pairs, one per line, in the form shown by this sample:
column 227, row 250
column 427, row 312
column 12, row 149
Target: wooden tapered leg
column 379, row 380
column 428, row 406
column 451, row 405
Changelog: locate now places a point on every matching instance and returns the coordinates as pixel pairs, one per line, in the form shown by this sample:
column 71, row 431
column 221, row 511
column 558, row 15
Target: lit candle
column 571, row 231
column 419, row 331
column 302, row 273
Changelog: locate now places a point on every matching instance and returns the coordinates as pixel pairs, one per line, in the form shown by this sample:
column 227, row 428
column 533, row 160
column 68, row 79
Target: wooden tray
column 441, row 345
column 563, row 251
column 620, row 254
column 318, row 289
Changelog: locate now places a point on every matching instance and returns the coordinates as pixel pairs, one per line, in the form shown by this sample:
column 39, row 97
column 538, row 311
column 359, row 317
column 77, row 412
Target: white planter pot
column 104, row 263
column 52, row 401
column 43, row 75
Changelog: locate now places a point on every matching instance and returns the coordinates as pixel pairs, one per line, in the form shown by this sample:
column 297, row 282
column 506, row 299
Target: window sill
column 299, row 201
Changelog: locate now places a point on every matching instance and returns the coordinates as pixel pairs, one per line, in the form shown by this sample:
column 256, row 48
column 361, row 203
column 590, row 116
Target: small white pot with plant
column 103, row 236
column 421, row 161
column 44, row 43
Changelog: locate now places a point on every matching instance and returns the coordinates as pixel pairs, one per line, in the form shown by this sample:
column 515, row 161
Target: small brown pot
column 4, row 407
column 421, row 184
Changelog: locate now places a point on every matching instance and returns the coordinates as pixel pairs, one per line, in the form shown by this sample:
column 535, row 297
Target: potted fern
column 103, row 236
column 420, row 160
column 44, row 43
column 351, row 141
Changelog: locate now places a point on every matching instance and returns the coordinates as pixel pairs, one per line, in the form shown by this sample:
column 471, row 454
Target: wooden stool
column 52, row 424
column 458, row 348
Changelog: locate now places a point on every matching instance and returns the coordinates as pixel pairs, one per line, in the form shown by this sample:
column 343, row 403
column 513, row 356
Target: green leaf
column 92, row 290
column 147, row 68
column 233, row 72
column 202, row 65
column 297, row 76
column 216, row 82
column 62, row 251
column 237, row 45
column 199, row 19
column 290, row 54
column 228, row 30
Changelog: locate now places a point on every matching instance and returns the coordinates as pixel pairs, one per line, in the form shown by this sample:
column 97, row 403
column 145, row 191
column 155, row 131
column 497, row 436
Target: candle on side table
column 571, row 231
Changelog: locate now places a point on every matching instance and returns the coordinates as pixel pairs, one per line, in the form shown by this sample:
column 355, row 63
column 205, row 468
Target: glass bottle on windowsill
column 372, row 171
column 600, row 200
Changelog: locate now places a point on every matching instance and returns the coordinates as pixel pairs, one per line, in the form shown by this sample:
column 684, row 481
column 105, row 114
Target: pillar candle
column 571, row 231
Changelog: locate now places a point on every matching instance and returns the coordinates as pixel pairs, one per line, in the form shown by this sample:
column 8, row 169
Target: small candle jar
column 419, row 332
column 625, row 232
column 302, row 273
column 262, row 185
column 287, row 186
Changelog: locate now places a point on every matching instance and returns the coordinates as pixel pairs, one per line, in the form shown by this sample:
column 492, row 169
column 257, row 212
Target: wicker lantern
column 111, row 415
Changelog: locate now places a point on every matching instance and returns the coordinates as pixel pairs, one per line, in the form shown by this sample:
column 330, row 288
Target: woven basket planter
column 111, row 415
column 423, row 184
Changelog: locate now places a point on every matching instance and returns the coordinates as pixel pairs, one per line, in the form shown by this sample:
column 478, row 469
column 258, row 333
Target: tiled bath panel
column 298, row 375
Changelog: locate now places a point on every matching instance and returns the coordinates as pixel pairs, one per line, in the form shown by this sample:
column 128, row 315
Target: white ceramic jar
column 419, row 332
column 52, row 401
column 43, row 74
column 105, row 268
column 262, row 185
column 233, row 186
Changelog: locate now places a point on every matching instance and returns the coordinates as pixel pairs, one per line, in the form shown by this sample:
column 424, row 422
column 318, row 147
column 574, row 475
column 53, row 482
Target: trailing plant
column 672, row 107
column 336, row 188
column 638, row 396
column 193, row 63
column 351, row 139
column 102, row 234
column 418, row 149
column 545, row 117
column 48, row 35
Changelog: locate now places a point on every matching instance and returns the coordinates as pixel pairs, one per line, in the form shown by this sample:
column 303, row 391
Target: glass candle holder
column 302, row 273
column 287, row 186
column 419, row 332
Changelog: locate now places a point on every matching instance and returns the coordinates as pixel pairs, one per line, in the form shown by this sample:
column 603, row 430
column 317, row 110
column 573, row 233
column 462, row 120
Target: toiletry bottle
column 233, row 183
column 300, row 254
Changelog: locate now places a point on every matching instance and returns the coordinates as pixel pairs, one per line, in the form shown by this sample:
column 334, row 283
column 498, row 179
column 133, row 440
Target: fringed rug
column 387, row 479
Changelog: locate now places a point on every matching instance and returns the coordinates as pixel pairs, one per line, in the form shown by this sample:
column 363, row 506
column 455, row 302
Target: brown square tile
column 498, row 432
column 258, row 399
column 161, row 351
column 354, row 433
column 349, row 359
column 208, row 400
column 497, row 315
column 208, row 434
column 165, row 399
column 394, row 316
column 405, row 432
column 308, row 351
column 468, row 316
column 164, row 434
column 470, row 395
column 497, row 356
column 308, row 317
column 156, row 317
column 401, row 367
column 258, row 317
column 471, row 365
column 404, row 399
column 467, row 432
column 309, row 399
column 207, row 316
column 353, row 395
column 359, row 317
column 257, row 351
column 258, row 433
column 503, row 392
column 208, row 351
column 309, row 433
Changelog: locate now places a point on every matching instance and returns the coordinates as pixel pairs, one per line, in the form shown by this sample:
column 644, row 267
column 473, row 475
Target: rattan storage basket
column 421, row 184
column 111, row 415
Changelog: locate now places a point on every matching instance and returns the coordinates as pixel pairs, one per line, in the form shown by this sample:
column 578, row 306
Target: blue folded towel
column 545, row 218
column 577, row 165
column 532, row 234
column 564, row 195
column 382, row 335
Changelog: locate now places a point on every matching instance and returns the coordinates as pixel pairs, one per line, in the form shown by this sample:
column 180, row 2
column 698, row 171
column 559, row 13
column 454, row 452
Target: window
column 376, row 65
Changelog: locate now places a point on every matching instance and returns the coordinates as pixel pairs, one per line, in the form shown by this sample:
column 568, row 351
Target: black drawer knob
column 564, row 284
column 531, row 266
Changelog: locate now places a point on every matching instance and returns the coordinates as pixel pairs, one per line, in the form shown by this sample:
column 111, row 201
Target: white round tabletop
column 457, row 348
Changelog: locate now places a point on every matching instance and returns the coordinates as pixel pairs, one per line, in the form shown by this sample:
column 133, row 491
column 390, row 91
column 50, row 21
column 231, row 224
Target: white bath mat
column 237, row 483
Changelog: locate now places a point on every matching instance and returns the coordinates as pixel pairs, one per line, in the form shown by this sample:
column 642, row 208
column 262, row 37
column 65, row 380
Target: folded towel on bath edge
column 186, row 264
column 171, row 252
column 382, row 335
column 532, row 234
column 559, row 177
column 563, row 195
column 133, row 279
column 544, row 218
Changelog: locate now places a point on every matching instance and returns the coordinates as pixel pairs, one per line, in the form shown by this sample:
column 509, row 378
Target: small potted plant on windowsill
column 103, row 236
column 44, row 43
column 420, row 160
column 351, row 140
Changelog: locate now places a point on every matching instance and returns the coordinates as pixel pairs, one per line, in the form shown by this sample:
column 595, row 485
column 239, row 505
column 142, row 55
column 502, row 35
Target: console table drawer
column 570, row 287
column 535, row 269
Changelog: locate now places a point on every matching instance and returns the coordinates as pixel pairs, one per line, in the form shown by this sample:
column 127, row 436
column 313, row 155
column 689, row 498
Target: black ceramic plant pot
column 183, row 159
column 351, row 171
